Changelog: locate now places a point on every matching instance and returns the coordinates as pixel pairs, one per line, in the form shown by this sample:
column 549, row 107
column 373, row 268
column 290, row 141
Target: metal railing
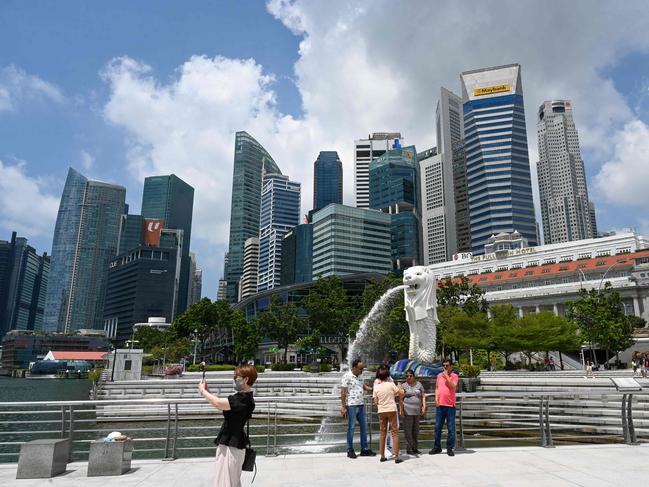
column 173, row 428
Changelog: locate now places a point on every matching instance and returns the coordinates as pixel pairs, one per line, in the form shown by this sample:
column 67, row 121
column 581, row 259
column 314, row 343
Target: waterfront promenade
column 583, row 465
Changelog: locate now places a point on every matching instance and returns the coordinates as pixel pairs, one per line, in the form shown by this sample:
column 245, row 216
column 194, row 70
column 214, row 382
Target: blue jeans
column 445, row 413
column 355, row 413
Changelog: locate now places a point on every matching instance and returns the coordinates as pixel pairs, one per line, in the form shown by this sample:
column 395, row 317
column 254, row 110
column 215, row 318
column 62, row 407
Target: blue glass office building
column 497, row 161
column 297, row 255
column 251, row 160
column 327, row 180
column 394, row 189
column 172, row 199
column 280, row 212
column 85, row 239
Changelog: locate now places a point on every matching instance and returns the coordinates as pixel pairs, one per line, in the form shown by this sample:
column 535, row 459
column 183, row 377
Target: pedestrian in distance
column 589, row 369
column 353, row 407
column 232, row 439
column 445, row 394
column 412, row 405
column 384, row 395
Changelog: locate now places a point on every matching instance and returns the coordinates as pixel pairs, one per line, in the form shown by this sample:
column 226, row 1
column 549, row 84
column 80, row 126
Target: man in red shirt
column 445, row 389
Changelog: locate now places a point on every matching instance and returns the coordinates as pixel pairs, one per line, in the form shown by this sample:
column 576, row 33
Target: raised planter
column 112, row 458
column 43, row 459
column 470, row 384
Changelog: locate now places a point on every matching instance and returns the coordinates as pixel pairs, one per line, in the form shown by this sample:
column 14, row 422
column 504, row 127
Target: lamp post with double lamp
column 195, row 343
column 602, row 280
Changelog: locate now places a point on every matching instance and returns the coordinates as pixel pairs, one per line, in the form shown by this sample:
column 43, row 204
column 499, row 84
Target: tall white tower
column 566, row 211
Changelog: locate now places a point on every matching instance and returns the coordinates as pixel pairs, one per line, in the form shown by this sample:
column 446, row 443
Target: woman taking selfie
column 232, row 440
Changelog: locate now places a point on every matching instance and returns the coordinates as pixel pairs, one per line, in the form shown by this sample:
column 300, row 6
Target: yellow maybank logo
column 490, row 89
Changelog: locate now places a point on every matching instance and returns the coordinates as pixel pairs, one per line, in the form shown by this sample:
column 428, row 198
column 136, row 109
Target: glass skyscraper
column 348, row 240
column 251, row 161
column 394, row 189
column 497, row 161
column 23, row 285
column 327, row 180
column 297, row 255
column 280, row 212
column 171, row 199
column 85, row 239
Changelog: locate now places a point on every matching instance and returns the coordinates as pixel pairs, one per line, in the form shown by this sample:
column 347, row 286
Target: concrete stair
column 572, row 410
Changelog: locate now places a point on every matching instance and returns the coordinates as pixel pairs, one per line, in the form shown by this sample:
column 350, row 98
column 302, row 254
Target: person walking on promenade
column 353, row 407
column 445, row 390
column 412, row 405
column 384, row 399
column 232, row 440
column 589, row 369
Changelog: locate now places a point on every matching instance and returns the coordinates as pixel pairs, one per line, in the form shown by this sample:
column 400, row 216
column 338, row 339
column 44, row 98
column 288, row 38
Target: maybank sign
column 489, row 90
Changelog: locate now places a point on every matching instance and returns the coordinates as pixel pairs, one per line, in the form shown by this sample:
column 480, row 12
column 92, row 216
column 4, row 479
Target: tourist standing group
column 409, row 399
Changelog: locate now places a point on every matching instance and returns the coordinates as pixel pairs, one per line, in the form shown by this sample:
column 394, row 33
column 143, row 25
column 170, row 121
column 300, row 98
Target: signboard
column 489, row 90
column 151, row 231
column 625, row 384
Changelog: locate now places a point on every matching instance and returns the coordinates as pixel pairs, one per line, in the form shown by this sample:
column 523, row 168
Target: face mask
column 238, row 384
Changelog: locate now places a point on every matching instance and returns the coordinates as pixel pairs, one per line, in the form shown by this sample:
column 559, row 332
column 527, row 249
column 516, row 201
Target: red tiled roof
column 623, row 261
column 79, row 355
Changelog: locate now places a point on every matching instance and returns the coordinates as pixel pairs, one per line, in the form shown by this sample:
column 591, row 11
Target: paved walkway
column 591, row 466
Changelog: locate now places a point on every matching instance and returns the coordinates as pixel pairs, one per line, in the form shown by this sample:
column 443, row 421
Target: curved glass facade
column 251, row 160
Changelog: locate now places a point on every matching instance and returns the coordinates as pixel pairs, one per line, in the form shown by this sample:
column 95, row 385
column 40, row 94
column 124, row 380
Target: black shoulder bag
column 249, row 462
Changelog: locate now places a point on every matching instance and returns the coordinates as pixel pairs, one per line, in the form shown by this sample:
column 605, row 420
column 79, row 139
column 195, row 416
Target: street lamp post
column 195, row 344
column 602, row 280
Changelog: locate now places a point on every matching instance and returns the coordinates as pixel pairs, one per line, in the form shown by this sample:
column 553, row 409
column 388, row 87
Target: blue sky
column 120, row 90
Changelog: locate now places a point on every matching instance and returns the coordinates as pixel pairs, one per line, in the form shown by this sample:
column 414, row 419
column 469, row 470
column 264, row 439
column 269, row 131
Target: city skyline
column 144, row 108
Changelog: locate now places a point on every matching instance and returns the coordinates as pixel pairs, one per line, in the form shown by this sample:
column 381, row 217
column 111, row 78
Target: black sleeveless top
column 232, row 431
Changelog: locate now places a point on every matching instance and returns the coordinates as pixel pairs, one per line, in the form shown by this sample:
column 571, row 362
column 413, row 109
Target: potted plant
column 469, row 375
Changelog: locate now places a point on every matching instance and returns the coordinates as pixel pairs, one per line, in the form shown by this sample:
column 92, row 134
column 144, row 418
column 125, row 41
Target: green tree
column 149, row 338
column 503, row 317
column 454, row 296
column 246, row 336
column 599, row 314
column 329, row 309
column 172, row 349
column 281, row 323
column 543, row 331
column 465, row 331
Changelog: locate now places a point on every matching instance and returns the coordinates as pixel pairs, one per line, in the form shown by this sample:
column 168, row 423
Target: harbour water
column 12, row 389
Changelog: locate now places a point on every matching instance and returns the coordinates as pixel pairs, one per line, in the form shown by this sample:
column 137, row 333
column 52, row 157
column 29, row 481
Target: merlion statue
column 420, row 304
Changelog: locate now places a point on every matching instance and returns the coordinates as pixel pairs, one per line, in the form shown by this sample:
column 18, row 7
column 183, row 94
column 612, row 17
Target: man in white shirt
column 353, row 407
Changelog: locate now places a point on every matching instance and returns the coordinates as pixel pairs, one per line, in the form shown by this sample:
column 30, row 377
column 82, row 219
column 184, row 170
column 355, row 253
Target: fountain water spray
column 363, row 336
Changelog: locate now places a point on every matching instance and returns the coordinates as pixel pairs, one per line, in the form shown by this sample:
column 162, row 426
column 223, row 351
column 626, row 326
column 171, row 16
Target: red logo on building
column 151, row 231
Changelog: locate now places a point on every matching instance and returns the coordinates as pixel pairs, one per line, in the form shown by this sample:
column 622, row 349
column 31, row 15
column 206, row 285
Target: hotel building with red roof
column 547, row 277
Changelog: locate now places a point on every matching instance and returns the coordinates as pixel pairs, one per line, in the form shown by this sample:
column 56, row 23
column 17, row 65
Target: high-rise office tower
column 85, row 239
column 497, row 161
column 195, row 283
column 23, row 285
column 143, row 283
column 327, row 180
column 565, row 209
column 365, row 151
column 348, row 240
column 435, row 220
column 251, row 161
column 297, row 255
column 222, row 290
column 248, row 282
column 130, row 232
column 593, row 219
column 280, row 211
column 171, row 199
column 394, row 189
column 461, row 197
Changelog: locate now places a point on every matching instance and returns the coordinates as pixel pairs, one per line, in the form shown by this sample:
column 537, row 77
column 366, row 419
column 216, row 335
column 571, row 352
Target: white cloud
column 25, row 205
column 624, row 179
column 17, row 86
column 87, row 160
column 367, row 66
